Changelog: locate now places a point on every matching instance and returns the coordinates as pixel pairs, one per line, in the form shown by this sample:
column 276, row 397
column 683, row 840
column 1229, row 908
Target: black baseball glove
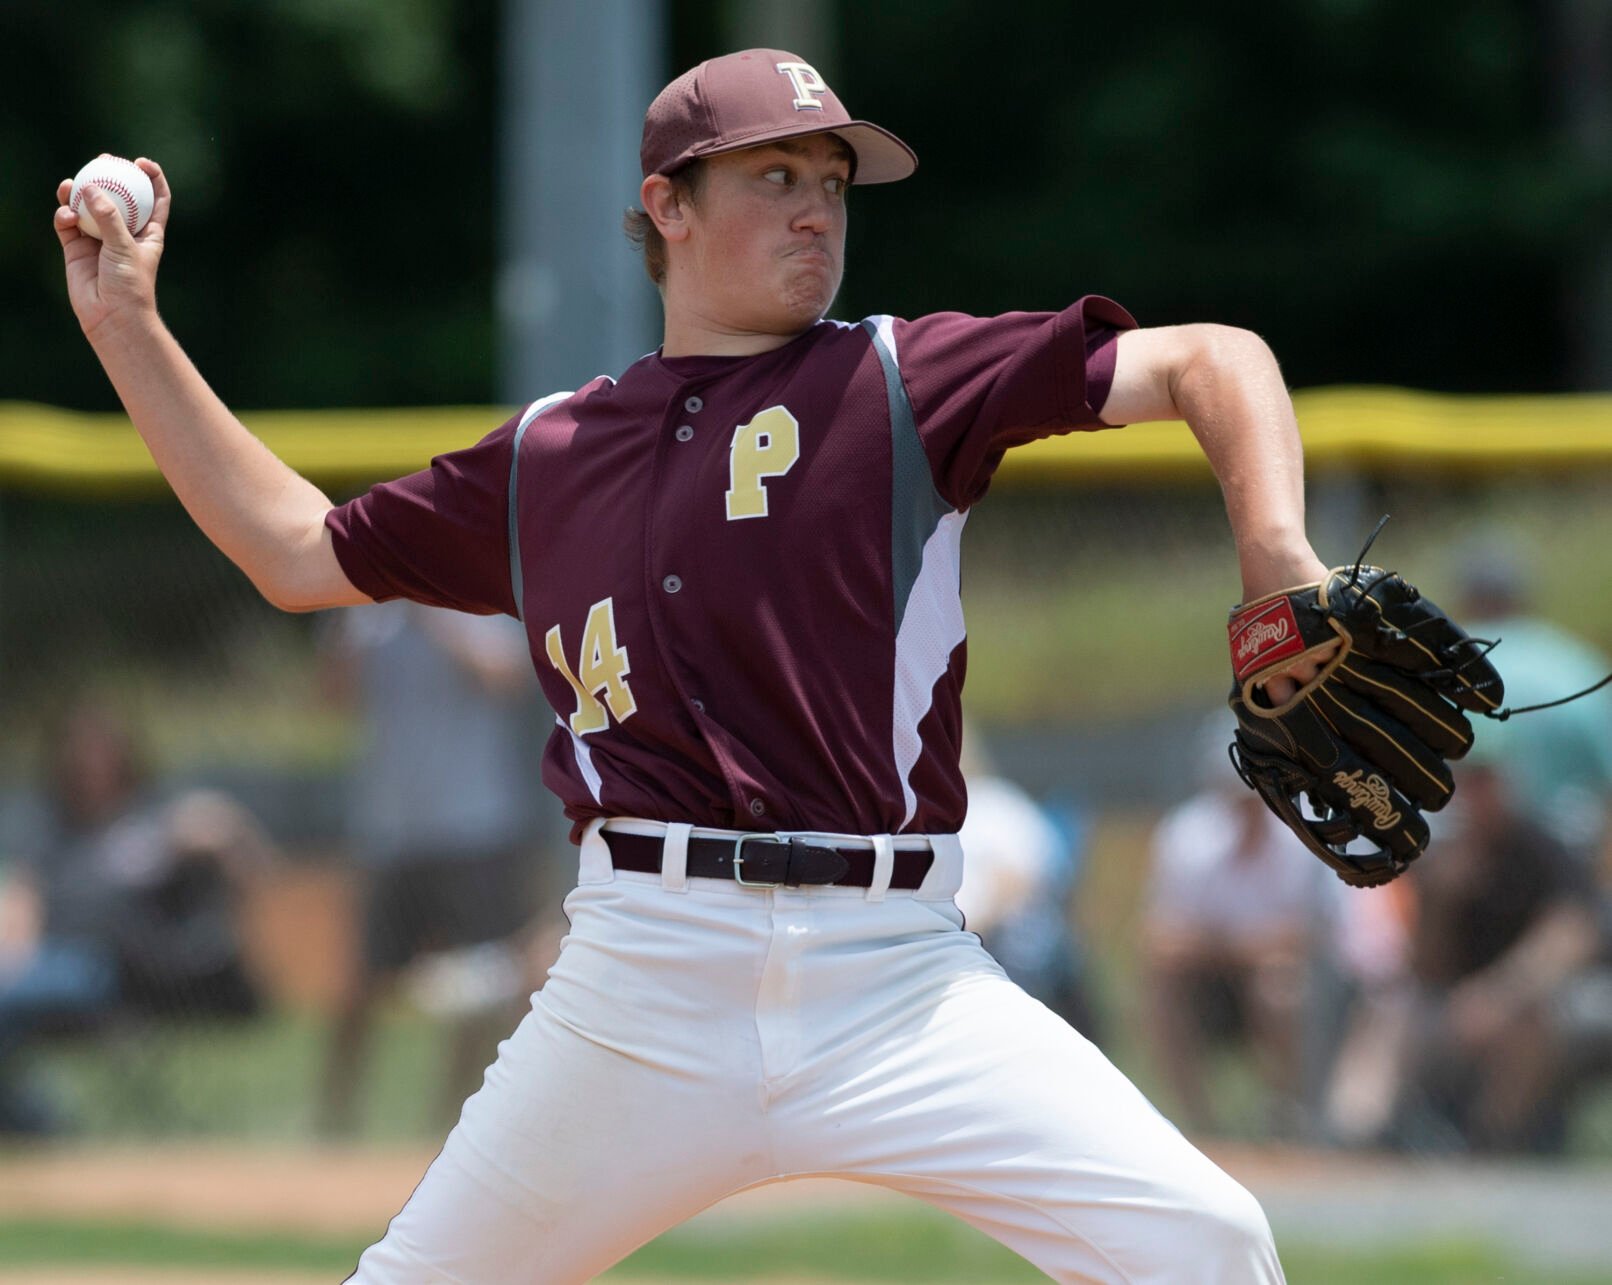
column 1366, row 742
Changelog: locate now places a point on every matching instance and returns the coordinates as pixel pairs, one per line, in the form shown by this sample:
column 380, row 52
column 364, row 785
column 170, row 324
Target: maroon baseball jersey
column 740, row 575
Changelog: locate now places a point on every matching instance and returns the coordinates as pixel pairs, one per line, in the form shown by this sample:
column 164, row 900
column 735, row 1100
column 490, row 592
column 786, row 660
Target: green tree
column 1379, row 188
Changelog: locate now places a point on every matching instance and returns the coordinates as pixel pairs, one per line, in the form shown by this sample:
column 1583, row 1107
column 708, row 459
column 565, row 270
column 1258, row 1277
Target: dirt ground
column 168, row 1276
column 1554, row 1213
column 313, row 1191
column 223, row 1187
column 328, row 1190
column 162, row 1276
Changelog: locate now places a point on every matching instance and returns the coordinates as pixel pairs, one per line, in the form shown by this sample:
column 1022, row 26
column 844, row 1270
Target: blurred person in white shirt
column 1230, row 922
column 1019, row 871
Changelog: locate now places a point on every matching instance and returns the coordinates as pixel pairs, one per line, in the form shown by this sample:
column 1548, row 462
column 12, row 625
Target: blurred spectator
column 131, row 905
column 1018, row 872
column 1466, row 1047
column 1370, row 958
column 440, row 820
column 1558, row 761
column 1229, row 929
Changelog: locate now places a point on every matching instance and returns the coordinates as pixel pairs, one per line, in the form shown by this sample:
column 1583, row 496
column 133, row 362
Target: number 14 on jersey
column 602, row 669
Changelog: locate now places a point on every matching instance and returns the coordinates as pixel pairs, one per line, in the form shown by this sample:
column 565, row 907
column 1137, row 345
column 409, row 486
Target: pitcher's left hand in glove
column 1367, row 740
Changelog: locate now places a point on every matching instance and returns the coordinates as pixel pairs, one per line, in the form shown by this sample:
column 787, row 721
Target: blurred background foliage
column 1390, row 193
column 331, row 160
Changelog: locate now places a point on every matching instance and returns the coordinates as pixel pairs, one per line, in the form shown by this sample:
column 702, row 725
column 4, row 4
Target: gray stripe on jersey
column 916, row 508
column 517, row 581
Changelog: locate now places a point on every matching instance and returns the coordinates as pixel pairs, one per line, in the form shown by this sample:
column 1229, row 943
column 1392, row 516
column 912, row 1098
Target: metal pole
column 573, row 301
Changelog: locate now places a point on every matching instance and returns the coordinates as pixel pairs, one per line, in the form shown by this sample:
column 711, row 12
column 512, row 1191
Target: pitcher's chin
column 809, row 295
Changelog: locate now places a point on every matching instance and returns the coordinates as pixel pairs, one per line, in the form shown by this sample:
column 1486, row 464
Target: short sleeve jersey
column 740, row 576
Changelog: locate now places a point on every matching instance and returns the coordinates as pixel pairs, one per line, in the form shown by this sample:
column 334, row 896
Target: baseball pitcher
column 737, row 564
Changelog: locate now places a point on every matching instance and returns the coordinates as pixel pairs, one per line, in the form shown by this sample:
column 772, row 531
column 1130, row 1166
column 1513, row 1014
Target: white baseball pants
column 696, row 1038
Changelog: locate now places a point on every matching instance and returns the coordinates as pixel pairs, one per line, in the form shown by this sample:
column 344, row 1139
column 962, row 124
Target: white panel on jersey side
column 590, row 774
column 931, row 629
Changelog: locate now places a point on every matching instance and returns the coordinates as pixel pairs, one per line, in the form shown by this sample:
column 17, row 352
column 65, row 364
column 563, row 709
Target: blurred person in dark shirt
column 1506, row 920
column 1470, row 1041
column 129, row 902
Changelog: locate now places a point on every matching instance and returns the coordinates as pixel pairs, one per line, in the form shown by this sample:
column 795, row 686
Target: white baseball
column 126, row 183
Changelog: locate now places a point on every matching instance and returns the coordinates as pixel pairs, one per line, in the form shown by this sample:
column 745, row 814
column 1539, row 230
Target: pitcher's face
column 767, row 238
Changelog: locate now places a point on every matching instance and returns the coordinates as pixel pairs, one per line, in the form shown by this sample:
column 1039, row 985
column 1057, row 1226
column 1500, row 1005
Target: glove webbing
column 1500, row 715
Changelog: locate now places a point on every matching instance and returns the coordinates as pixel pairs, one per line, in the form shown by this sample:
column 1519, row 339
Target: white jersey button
column 698, row 704
column 757, row 807
column 672, row 584
column 684, row 432
column 694, row 405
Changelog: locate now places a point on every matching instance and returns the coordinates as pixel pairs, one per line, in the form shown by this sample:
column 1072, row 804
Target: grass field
column 916, row 1246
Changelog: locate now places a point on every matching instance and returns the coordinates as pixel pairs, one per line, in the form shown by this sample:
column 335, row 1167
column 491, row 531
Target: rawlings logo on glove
column 1258, row 635
column 1370, row 795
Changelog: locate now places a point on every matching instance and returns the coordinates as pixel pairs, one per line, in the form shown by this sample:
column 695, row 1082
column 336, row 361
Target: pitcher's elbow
column 288, row 594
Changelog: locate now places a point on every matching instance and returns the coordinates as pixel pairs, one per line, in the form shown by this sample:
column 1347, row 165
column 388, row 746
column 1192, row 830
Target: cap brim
column 881, row 157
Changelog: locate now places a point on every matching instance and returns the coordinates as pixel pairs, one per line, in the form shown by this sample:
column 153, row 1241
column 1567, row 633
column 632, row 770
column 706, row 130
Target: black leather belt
column 768, row 860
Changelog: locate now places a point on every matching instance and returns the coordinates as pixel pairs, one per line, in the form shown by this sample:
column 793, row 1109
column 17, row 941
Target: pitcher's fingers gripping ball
column 1367, row 740
column 126, row 183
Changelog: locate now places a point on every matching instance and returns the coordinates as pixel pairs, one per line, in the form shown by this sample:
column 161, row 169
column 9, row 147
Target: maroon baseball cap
column 758, row 96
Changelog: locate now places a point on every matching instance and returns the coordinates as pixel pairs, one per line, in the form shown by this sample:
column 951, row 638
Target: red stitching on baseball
column 109, row 186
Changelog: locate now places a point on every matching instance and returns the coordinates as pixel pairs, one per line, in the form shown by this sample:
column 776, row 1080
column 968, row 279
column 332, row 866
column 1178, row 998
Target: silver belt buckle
column 738, row 860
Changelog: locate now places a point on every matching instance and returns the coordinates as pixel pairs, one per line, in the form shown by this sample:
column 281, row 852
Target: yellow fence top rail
column 1360, row 428
column 1347, row 428
column 46, row 447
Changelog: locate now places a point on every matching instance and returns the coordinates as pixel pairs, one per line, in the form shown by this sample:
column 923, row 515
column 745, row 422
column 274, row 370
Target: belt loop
column 593, row 863
column 674, row 857
column 945, row 868
column 884, row 865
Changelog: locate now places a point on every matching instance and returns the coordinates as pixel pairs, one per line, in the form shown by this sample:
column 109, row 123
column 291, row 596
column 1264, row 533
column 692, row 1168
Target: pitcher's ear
column 661, row 201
